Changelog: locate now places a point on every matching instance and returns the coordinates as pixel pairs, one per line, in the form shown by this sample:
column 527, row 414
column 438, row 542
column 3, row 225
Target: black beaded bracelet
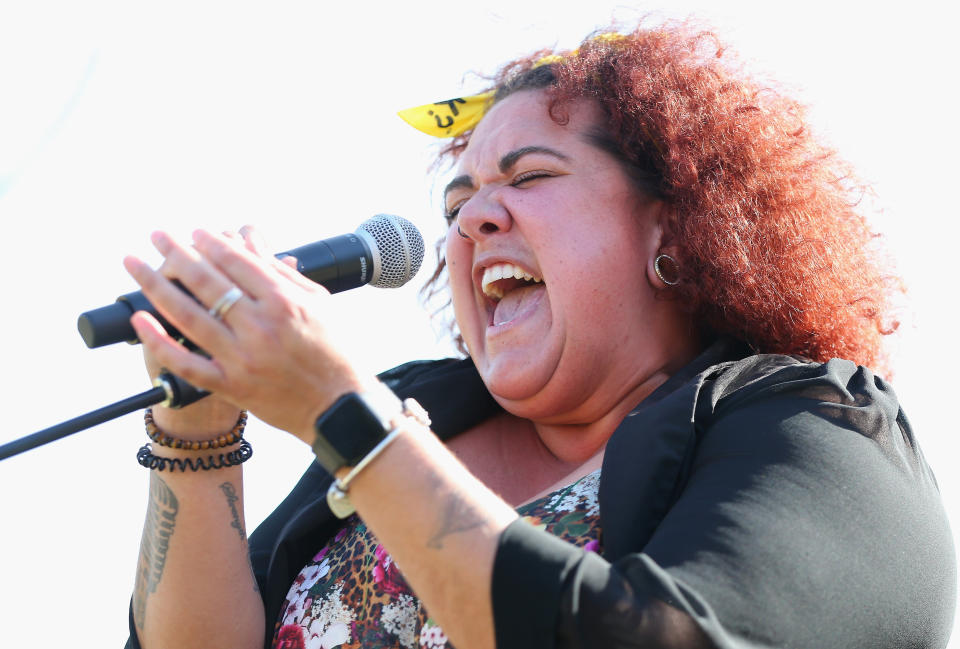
column 146, row 458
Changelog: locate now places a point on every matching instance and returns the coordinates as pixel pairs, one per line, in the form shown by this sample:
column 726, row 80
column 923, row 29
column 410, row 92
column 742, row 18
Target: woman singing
column 665, row 432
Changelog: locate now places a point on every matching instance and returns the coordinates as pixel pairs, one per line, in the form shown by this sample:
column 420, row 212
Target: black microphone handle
column 338, row 264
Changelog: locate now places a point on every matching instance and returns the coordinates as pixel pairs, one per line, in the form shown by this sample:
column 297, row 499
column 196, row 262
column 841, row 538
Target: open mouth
column 511, row 292
column 500, row 279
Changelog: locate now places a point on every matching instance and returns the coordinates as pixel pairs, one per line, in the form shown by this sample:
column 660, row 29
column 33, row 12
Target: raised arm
column 784, row 519
column 194, row 586
column 271, row 354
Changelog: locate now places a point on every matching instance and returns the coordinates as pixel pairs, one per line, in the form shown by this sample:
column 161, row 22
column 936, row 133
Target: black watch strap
column 353, row 426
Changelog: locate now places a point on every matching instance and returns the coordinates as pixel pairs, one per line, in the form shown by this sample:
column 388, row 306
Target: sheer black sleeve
column 802, row 515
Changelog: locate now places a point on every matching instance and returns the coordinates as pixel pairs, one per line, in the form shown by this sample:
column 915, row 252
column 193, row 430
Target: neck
column 578, row 439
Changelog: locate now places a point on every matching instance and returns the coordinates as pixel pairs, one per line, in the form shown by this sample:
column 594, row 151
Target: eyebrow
column 460, row 182
column 510, row 159
column 505, row 164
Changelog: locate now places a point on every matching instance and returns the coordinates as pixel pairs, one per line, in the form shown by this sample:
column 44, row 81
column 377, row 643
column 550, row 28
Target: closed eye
column 529, row 175
column 450, row 214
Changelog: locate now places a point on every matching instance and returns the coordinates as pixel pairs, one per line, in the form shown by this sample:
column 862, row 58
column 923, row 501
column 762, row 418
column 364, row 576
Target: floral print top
column 351, row 594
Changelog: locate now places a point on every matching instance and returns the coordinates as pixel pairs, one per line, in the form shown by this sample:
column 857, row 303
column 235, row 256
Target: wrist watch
column 354, row 430
column 357, row 422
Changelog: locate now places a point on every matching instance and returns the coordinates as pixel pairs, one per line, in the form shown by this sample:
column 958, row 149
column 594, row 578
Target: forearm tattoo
column 230, row 493
column 157, row 532
column 456, row 516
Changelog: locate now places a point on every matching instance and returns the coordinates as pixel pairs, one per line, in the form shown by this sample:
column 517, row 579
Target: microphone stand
column 169, row 390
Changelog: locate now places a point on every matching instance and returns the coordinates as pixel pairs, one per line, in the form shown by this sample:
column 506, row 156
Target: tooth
column 491, row 275
column 503, row 271
column 487, row 280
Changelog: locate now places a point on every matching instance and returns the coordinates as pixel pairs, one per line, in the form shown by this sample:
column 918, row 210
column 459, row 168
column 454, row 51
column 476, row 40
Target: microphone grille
column 399, row 246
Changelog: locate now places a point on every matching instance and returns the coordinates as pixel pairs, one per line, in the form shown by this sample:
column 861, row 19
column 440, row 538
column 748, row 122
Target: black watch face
column 351, row 429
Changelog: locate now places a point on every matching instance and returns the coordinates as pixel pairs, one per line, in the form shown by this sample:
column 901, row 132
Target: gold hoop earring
column 656, row 269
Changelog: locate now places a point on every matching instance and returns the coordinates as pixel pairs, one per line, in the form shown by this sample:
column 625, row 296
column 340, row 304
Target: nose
column 484, row 214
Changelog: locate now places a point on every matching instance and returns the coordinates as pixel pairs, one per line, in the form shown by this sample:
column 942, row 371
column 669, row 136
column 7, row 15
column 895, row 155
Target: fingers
column 290, row 260
column 181, row 310
column 260, row 276
column 248, row 270
column 249, row 237
column 164, row 352
column 229, row 277
column 213, row 269
column 286, row 266
column 273, row 343
column 254, row 241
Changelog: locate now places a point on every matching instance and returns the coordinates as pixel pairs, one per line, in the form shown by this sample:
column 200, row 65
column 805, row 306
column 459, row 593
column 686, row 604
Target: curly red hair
column 773, row 247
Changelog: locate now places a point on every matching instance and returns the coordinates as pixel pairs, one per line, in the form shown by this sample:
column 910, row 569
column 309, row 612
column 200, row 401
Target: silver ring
column 226, row 301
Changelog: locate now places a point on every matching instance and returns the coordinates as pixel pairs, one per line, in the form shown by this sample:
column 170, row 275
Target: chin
column 524, row 384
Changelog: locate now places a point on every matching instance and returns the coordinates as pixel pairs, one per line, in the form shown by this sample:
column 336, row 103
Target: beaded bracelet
column 241, row 454
column 220, row 441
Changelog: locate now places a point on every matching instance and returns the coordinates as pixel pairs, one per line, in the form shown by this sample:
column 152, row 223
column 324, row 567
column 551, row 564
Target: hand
column 269, row 352
column 211, row 415
column 199, row 421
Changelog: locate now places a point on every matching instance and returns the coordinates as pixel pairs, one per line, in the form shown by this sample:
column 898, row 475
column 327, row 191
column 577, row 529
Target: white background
column 120, row 118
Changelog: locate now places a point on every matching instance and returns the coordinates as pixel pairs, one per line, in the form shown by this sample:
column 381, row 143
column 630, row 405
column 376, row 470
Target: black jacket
column 750, row 501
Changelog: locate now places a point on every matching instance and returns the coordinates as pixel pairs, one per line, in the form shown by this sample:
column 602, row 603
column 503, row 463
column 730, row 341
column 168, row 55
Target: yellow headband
column 454, row 116
column 448, row 118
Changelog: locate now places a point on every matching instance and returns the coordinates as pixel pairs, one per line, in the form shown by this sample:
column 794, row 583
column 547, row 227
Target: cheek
column 458, row 255
column 600, row 271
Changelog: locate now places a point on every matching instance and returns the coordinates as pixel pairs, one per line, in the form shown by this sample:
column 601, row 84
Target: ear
column 664, row 253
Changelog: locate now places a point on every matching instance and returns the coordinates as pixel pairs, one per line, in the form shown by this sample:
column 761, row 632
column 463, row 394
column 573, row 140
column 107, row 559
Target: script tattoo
column 157, row 531
column 230, row 493
column 457, row 516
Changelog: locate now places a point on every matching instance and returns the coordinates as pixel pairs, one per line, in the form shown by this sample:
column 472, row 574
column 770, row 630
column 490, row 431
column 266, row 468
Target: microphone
column 386, row 251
